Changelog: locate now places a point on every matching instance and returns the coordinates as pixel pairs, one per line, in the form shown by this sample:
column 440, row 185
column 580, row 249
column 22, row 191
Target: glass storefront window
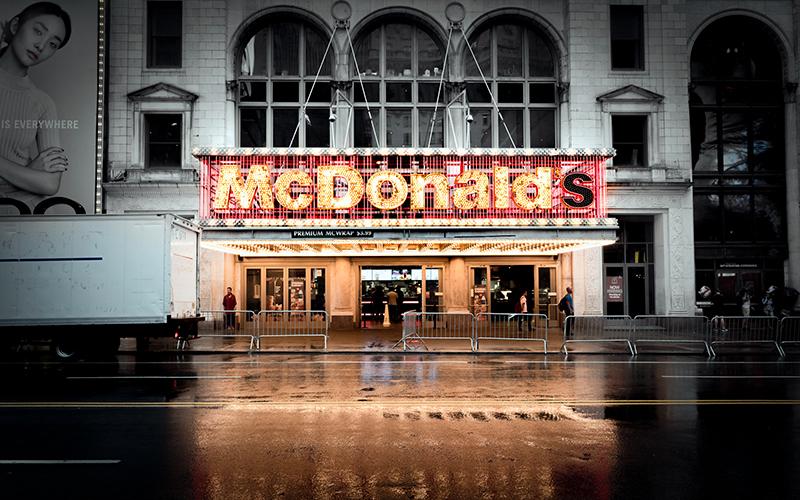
column 479, row 302
column 297, row 289
column 274, row 292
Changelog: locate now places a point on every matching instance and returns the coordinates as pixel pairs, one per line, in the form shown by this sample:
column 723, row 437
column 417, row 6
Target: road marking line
column 733, row 376
column 404, row 403
column 59, row 462
column 137, row 377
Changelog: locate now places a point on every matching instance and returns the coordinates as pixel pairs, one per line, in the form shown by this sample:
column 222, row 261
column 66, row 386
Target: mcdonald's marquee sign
column 378, row 188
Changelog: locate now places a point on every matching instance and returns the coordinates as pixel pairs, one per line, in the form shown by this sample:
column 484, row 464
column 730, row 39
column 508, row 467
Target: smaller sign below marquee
column 332, row 233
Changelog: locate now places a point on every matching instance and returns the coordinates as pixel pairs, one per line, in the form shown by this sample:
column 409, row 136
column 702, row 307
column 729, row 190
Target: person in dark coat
column 229, row 304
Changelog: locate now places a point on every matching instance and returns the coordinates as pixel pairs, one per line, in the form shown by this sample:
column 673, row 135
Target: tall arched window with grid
column 400, row 65
column 519, row 64
column 277, row 65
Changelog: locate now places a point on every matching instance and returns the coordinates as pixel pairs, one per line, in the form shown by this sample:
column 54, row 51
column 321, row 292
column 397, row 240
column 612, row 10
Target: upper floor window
column 519, row 64
column 277, row 69
column 163, row 140
column 629, row 138
column 400, row 65
column 164, row 34
column 627, row 37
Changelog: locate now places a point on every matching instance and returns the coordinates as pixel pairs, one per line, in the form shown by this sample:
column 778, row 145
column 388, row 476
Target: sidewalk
column 349, row 341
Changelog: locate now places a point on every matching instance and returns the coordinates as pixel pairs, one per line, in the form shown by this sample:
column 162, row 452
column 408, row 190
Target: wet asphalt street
column 160, row 425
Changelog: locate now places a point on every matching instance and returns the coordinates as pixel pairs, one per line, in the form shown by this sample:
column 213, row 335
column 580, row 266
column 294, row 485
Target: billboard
column 51, row 105
column 405, row 188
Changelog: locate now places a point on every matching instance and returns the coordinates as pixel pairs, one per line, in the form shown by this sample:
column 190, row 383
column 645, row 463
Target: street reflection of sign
column 614, row 291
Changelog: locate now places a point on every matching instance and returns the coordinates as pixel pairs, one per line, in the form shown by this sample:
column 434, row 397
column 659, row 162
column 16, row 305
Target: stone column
column 792, row 187
column 342, row 294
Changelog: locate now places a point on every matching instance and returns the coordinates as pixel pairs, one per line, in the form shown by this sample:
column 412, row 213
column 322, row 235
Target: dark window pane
column 285, row 49
column 509, row 92
column 543, row 93
column 253, row 128
column 398, row 92
column 284, row 92
column 707, row 214
column 362, row 134
column 372, row 90
column 322, row 92
column 164, row 33
column 429, row 55
column 427, row 92
column 477, row 92
column 398, row 49
column 613, row 254
column 315, row 48
column 252, row 92
column 629, row 139
column 437, row 139
column 284, row 123
column 509, row 50
column 541, row 61
column 627, row 44
column 480, row 131
column 768, row 149
column 317, row 128
column 768, row 216
column 254, row 55
column 513, row 121
column 398, row 128
column 163, row 140
column 368, row 49
column 164, row 155
column 166, row 52
column 482, row 48
column 738, row 219
column 543, row 128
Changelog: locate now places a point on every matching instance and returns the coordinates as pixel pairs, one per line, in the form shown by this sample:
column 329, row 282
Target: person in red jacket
column 229, row 304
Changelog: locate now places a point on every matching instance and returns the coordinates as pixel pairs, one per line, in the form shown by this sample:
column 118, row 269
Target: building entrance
column 389, row 291
column 496, row 289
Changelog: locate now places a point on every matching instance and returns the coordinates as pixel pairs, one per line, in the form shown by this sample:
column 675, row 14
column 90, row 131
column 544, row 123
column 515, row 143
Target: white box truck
column 84, row 281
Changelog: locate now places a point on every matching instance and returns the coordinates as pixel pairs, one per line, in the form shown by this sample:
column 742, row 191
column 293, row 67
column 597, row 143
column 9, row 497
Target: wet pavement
column 391, row 425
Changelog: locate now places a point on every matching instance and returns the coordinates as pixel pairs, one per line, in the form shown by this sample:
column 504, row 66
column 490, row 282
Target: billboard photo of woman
column 44, row 124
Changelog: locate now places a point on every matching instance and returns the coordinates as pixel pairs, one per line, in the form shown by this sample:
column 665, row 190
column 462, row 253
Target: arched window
column 400, row 65
column 277, row 65
column 736, row 106
column 519, row 64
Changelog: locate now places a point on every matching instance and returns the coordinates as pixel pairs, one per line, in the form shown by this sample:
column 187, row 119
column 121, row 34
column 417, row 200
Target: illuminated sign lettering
column 366, row 187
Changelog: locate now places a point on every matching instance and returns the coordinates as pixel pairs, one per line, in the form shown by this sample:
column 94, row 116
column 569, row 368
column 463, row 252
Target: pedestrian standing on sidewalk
column 229, row 305
column 522, row 309
column 567, row 306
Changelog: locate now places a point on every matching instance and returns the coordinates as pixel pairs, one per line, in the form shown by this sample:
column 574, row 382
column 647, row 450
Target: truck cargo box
column 97, row 269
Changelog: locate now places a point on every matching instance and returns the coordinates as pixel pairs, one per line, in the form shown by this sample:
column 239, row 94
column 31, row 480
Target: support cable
column 363, row 92
column 488, row 88
column 303, row 115
column 439, row 90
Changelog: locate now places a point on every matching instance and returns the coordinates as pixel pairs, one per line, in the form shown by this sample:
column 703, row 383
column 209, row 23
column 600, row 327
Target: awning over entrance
column 386, row 202
column 512, row 241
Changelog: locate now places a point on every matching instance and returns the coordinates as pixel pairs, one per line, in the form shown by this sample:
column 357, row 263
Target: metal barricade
column 598, row 329
column 419, row 326
column 744, row 330
column 675, row 329
column 234, row 323
column 506, row 326
column 305, row 323
column 789, row 329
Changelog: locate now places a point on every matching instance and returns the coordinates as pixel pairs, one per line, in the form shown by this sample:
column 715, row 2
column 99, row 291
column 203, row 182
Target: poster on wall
column 49, row 102
column 614, row 292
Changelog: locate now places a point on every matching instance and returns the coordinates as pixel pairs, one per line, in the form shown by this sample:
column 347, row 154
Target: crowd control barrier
column 744, row 330
column 789, row 331
column 305, row 323
column 421, row 326
column 674, row 329
column 598, row 329
column 504, row 326
column 224, row 323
